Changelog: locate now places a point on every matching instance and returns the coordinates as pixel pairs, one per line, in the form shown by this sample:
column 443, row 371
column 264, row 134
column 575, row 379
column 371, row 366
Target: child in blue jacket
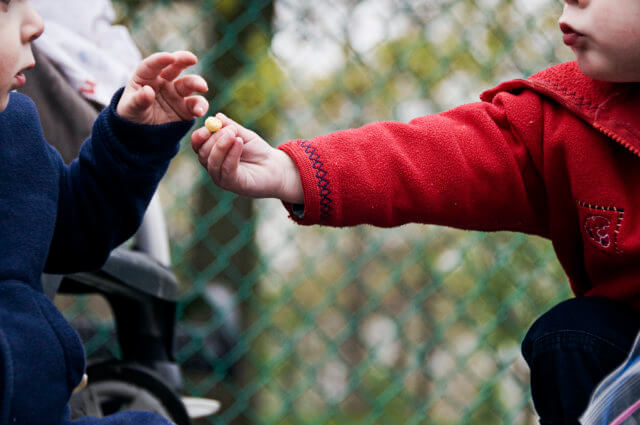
column 62, row 219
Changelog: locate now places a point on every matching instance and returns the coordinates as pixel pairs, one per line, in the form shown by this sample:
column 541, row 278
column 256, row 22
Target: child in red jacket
column 555, row 155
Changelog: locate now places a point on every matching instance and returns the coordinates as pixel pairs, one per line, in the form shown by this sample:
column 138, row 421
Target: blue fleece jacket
column 60, row 219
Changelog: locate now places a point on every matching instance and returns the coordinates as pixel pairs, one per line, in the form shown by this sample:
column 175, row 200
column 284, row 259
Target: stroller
column 137, row 283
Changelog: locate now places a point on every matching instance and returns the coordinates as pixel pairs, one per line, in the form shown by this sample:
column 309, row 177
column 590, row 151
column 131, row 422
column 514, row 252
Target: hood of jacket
column 607, row 107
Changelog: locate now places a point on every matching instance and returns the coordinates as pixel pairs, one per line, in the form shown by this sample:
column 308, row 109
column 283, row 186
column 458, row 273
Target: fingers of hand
column 151, row 67
column 223, row 143
column 205, row 152
column 198, row 138
column 225, row 119
column 134, row 103
column 241, row 131
column 143, row 98
column 182, row 61
column 203, row 143
column 197, row 105
column 232, row 160
column 190, row 84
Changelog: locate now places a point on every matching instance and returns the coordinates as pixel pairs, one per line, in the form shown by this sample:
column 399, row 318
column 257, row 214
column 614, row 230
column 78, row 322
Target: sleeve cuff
column 317, row 207
column 162, row 140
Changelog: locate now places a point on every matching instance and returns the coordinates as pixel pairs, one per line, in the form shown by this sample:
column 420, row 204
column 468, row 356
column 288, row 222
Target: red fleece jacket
column 555, row 155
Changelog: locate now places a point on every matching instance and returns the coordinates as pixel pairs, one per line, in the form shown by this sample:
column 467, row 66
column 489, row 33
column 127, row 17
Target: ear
column 6, row 380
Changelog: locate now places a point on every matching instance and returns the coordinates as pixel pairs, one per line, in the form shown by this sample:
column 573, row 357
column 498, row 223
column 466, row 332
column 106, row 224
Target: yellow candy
column 213, row 124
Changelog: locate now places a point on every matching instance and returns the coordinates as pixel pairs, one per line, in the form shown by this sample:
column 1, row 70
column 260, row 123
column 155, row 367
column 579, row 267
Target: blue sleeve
column 105, row 191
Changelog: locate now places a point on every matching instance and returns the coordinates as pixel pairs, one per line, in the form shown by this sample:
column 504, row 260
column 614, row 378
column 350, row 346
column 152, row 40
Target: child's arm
column 239, row 160
column 104, row 193
column 478, row 166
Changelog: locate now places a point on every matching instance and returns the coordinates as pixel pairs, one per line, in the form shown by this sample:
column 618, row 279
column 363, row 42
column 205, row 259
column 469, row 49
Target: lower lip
column 571, row 39
column 21, row 80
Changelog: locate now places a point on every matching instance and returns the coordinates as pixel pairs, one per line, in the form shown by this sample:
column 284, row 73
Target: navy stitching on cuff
column 321, row 174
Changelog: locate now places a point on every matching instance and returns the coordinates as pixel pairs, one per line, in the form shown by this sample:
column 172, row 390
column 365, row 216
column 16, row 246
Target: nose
column 32, row 27
column 571, row 7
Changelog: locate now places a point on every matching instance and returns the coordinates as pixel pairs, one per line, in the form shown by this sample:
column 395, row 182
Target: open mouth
column 571, row 37
column 20, row 77
column 21, row 80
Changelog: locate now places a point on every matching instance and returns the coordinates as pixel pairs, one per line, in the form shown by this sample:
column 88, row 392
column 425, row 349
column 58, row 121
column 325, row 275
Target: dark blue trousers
column 571, row 348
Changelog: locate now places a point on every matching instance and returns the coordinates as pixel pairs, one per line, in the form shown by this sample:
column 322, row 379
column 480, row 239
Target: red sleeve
column 473, row 167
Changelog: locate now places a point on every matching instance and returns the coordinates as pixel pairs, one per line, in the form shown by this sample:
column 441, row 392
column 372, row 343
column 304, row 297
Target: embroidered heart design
column 602, row 226
column 598, row 228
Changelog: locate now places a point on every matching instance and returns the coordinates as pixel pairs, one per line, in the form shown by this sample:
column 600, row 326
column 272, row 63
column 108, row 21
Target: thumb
column 133, row 106
column 143, row 99
column 240, row 131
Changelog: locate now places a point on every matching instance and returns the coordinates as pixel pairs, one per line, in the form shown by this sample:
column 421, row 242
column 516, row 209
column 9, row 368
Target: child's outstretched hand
column 155, row 94
column 239, row 160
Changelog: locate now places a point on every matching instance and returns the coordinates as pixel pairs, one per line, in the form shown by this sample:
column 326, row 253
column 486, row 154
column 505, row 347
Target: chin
column 596, row 73
column 607, row 72
column 4, row 101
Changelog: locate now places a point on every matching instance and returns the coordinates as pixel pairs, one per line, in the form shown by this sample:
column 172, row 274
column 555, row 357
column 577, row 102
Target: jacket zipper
column 617, row 138
column 549, row 91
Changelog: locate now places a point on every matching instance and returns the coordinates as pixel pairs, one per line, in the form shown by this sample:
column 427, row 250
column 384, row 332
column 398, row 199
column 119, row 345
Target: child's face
column 19, row 26
column 605, row 37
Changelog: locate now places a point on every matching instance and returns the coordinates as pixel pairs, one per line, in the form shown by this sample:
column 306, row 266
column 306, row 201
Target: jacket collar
column 611, row 108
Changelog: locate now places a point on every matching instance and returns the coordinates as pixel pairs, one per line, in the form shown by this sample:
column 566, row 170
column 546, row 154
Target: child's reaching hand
column 239, row 160
column 154, row 96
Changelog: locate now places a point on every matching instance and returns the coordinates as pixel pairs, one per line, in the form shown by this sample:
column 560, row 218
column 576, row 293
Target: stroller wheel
column 117, row 387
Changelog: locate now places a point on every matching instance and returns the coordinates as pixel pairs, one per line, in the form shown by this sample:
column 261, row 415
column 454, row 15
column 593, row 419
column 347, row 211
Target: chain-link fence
column 289, row 325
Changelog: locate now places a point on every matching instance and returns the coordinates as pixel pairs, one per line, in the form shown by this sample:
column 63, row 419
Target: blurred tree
column 240, row 35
